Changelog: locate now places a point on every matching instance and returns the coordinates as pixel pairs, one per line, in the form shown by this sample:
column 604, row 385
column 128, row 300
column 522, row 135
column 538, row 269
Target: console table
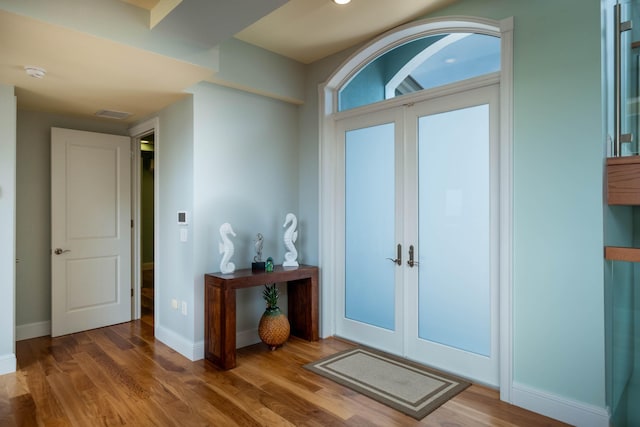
column 220, row 307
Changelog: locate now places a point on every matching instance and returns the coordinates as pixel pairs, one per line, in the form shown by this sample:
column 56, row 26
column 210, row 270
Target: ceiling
column 145, row 62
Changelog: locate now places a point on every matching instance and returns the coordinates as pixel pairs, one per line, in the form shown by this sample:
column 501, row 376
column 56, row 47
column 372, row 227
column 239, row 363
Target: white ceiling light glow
column 342, row 1
column 35, row 72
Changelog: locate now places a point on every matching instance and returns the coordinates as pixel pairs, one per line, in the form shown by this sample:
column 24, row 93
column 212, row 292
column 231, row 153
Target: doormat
column 399, row 383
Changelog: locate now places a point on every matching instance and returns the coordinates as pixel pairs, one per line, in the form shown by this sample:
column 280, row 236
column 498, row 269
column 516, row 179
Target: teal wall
column 622, row 228
column 558, row 306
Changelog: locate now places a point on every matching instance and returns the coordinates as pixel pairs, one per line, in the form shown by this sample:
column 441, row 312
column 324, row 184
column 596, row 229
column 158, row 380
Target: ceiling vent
column 110, row 114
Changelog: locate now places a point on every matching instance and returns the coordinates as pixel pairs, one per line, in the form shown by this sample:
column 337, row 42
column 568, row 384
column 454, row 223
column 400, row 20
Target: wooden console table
column 220, row 307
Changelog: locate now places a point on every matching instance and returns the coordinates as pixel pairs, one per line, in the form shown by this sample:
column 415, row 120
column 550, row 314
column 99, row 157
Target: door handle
column 398, row 259
column 60, row 251
column 411, row 262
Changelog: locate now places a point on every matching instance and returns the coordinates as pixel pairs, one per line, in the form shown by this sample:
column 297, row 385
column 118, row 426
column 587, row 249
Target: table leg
column 303, row 308
column 220, row 333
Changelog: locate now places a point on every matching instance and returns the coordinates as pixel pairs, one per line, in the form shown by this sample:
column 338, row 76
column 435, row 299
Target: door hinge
column 131, row 223
column 131, row 291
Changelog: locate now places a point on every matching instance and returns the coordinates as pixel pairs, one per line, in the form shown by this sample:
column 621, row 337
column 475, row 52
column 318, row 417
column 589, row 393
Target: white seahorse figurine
column 290, row 237
column 226, row 249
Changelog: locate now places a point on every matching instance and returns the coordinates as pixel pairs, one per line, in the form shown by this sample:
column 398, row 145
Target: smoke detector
column 35, row 72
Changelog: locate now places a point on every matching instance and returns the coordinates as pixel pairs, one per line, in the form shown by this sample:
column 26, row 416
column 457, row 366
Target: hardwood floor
column 121, row 376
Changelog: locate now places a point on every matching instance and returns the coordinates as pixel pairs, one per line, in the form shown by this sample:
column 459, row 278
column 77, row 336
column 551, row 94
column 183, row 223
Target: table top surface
column 279, row 274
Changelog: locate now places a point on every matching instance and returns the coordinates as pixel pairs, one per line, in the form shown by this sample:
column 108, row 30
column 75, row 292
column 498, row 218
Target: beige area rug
column 399, row 383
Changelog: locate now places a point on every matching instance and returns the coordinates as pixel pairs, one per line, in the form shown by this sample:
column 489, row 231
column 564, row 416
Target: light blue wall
column 558, row 306
column 7, row 227
column 223, row 155
column 247, row 67
column 175, row 190
column 309, row 151
column 245, row 173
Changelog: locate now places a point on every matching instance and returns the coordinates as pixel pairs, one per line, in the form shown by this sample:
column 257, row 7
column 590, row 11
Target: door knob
column 60, row 251
column 411, row 262
column 398, row 259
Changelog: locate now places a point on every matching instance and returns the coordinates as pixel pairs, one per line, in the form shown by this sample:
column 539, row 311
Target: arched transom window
column 421, row 64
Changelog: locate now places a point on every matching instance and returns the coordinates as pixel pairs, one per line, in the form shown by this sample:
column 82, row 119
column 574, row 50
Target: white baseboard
column 7, row 363
column 33, row 330
column 559, row 408
column 189, row 349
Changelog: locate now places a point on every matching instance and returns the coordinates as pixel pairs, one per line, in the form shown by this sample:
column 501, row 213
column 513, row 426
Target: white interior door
column 91, row 231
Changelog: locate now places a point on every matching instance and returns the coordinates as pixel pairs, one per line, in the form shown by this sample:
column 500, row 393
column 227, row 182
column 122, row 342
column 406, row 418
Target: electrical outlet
column 184, row 308
column 174, row 304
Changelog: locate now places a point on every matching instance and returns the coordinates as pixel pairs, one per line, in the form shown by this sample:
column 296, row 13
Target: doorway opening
column 145, row 155
column 409, row 99
column 146, row 177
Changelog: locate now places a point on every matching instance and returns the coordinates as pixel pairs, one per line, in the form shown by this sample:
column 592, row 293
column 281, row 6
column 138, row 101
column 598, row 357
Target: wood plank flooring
column 121, row 376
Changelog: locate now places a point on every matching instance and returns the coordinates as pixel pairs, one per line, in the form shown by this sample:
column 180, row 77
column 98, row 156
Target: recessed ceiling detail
column 308, row 30
column 85, row 73
column 104, row 56
column 158, row 9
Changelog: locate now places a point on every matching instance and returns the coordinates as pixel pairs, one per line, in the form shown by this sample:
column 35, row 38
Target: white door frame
column 328, row 91
column 136, row 132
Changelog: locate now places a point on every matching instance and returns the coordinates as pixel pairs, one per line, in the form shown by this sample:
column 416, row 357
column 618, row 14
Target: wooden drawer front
column 623, row 181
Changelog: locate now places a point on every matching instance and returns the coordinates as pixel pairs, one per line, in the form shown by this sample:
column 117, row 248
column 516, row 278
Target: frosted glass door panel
column 369, row 225
column 454, row 228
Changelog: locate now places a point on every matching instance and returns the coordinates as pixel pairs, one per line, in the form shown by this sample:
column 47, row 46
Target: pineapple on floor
column 274, row 327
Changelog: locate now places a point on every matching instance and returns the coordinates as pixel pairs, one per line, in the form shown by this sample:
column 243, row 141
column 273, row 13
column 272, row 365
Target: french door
column 420, row 188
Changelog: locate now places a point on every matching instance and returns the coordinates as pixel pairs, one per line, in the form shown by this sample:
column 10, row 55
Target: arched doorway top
column 404, row 34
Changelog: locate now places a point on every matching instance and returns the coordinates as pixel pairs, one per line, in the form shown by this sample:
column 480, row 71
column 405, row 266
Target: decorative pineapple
column 274, row 326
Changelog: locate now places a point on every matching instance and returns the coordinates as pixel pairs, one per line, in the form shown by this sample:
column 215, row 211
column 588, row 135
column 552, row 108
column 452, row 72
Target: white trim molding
column 328, row 113
column 7, row 363
column 195, row 350
column 33, row 330
column 135, row 132
column 189, row 349
column 559, row 408
column 506, row 208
